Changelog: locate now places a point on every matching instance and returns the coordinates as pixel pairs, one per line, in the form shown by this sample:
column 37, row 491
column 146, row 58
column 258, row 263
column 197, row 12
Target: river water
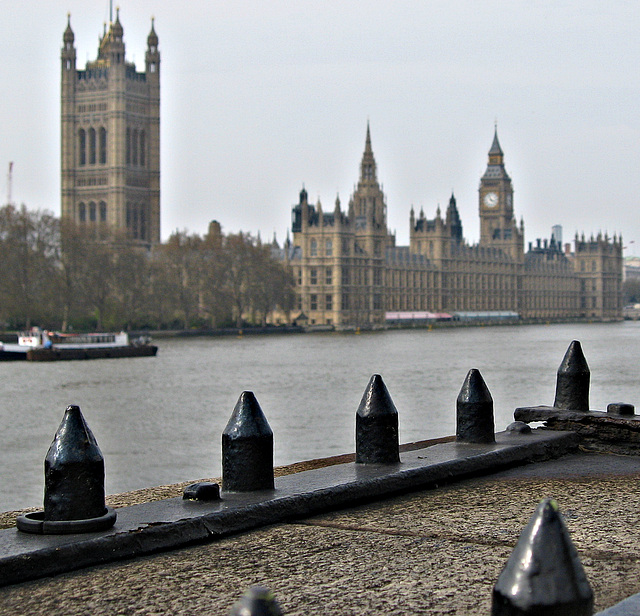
column 159, row 420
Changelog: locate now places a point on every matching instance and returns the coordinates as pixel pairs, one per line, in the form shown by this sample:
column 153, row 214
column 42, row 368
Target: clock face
column 491, row 199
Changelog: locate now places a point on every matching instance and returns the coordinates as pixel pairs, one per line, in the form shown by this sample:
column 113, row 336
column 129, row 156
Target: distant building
column 632, row 268
column 110, row 137
column 556, row 234
column 350, row 273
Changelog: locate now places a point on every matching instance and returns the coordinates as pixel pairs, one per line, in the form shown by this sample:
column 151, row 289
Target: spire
column 116, row 28
column 496, row 150
column 368, row 164
column 453, row 219
column 68, row 36
column 152, row 39
column 495, row 169
column 367, row 144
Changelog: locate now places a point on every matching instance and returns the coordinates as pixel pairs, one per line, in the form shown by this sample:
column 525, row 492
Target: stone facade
column 110, row 138
column 350, row 273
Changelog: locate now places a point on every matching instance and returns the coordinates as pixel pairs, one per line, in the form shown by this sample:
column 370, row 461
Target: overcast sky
column 261, row 97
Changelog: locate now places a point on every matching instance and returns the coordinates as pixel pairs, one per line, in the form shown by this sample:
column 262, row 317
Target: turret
column 68, row 55
column 337, row 213
column 116, row 41
column 453, row 221
column 152, row 55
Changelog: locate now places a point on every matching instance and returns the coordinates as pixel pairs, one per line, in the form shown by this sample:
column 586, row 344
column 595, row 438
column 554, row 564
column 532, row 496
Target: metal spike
column 572, row 384
column 377, row 426
column 74, row 472
column 543, row 575
column 257, row 601
column 247, row 448
column 474, row 411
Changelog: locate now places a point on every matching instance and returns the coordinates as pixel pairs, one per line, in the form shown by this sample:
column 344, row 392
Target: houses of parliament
column 349, row 271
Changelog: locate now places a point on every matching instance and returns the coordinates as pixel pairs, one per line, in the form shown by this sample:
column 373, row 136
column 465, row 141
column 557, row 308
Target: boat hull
column 13, row 355
column 58, row 354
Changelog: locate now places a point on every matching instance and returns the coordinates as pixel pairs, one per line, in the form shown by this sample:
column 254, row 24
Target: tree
column 29, row 249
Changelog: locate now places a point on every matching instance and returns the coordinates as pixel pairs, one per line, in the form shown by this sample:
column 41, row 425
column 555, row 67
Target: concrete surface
column 431, row 552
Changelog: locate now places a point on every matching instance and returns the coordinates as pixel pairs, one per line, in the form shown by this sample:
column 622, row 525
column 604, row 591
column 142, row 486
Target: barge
column 42, row 345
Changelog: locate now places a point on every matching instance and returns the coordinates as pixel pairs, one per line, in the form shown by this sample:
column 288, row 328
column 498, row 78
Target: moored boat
column 42, row 345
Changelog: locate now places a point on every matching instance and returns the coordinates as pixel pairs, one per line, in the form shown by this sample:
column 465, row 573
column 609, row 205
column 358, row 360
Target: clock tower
column 498, row 228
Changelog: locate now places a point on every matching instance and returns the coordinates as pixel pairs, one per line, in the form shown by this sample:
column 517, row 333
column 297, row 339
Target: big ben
column 498, row 227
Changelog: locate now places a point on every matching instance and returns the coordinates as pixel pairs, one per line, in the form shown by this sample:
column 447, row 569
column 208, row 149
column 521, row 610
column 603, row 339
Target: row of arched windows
column 92, row 146
column 92, row 212
column 138, row 221
column 136, row 147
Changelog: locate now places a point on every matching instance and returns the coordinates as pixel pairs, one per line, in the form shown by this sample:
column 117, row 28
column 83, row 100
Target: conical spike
column 257, row 601
column 247, row 448
column 377, row 425
column 74, row 472
column 474, row 406
column 572, row 384
column 543, row 574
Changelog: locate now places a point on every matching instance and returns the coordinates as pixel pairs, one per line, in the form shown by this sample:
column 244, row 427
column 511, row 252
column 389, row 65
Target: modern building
column 110, row 137
column 350, row 273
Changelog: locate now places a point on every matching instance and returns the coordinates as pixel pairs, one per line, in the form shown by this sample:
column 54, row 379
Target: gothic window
column 313, row 248
column 313, row 302
column 345, row 246
column 82, row 143
column 143, row 222
column 152, row 67
column 142, row 149
column 328, row 302
column 92, row 146
column 134, row 147
column 103, row 146
column 82, row 212
column 103, row 211
column 313, row 276
column 128, row 146
column 135, row 222
column 328, row 248
column 496, row 234
column 345, row 275
column 128, row 216
column 328, row 276
column 92, row 211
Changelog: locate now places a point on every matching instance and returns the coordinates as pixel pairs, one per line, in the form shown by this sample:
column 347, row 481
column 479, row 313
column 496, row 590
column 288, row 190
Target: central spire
column 368, row 164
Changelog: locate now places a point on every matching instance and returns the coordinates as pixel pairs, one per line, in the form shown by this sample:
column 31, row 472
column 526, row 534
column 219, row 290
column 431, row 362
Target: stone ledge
column 161, row 525
column 175, row 490
column 598, row 431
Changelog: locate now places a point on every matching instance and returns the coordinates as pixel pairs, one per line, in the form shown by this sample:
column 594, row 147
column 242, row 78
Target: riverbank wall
column 269, row 330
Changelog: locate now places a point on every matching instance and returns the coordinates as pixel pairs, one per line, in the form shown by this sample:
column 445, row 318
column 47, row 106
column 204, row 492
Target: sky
column 259, row 98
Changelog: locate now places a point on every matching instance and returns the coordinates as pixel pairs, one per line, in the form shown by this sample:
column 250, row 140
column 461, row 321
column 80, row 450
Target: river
column 159, row 420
